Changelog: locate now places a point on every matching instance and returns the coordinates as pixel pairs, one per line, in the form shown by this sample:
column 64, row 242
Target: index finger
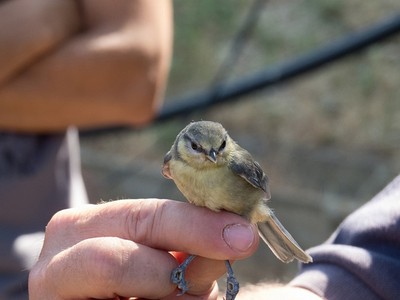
column 162, row 224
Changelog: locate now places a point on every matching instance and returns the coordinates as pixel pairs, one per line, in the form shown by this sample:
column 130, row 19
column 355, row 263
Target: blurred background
column 328, row 140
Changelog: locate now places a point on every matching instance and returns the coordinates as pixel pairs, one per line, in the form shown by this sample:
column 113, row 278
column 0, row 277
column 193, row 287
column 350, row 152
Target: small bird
column 212, row 170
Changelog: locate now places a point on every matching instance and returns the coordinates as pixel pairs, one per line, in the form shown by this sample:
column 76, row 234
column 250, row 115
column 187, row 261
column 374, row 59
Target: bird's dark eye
column 222, row 147
column 194, row 146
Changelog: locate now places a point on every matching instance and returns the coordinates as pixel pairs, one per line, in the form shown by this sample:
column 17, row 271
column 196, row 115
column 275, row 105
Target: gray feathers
column 249, row 170
column 281, row 243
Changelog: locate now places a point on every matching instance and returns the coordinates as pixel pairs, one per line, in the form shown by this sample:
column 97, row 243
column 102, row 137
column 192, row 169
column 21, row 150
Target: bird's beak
column 212, row 155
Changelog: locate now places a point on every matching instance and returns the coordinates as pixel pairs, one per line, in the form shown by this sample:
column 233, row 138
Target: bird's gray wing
column 281, row 243
column 243, row 164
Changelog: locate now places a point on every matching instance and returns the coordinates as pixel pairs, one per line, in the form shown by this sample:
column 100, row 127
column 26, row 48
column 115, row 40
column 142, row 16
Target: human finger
column 162, row 224
column 103, row 268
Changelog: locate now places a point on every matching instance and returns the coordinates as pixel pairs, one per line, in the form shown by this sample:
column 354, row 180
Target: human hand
column 122, row 248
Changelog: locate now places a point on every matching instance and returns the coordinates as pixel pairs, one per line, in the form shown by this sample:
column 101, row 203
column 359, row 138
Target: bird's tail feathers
column 281, row 243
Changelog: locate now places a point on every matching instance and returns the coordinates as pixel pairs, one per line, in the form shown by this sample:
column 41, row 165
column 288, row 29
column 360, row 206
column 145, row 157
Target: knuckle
column 144, row 222
column 57, row 223
column 110, row 263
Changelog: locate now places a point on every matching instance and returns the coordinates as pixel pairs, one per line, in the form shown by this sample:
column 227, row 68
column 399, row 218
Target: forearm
column 30, row 29
column 80, row 85
column 113, row 73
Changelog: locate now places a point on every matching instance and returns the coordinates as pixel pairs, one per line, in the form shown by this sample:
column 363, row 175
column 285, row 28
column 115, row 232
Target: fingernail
column 239, row 237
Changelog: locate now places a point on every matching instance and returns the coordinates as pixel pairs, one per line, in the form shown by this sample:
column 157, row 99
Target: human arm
column 361, row 259
column 110, row 69
column 123, row 248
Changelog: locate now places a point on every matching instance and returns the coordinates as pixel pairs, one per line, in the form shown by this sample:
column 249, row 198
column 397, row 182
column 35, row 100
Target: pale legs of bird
column 178, row 278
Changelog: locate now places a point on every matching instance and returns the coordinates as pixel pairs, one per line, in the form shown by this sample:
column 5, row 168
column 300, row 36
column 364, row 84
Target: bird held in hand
column 212, row 170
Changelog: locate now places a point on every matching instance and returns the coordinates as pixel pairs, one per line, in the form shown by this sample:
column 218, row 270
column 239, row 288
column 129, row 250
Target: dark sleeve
column 39, row 175
column 361, row 260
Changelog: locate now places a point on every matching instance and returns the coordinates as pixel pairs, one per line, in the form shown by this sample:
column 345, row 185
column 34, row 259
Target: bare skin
column 88, row 63
column 124, row 248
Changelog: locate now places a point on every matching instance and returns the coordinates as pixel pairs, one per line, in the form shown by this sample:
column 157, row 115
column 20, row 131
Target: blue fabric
column 361, row 260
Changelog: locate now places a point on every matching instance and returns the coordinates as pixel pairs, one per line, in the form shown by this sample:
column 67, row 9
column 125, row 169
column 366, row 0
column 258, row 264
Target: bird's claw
column 232, row 288
column 178, row 275
column 232, row 285
column 178, row 278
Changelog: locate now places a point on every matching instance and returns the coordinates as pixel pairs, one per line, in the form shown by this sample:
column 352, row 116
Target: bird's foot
column 178, row 275
column 232, row 285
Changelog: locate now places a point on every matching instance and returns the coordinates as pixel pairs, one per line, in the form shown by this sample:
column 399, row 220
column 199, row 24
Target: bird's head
column 204, row 144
